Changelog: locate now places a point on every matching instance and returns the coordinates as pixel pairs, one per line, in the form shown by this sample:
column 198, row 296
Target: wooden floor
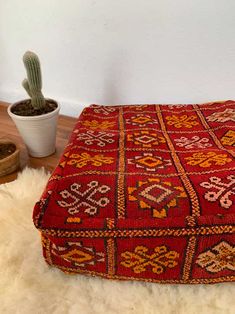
column 8, row 130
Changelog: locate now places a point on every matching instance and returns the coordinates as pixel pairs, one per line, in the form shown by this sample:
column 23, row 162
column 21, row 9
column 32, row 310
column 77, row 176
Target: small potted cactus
column 35, row 118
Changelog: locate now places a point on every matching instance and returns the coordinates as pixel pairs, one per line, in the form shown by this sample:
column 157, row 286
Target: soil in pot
column 9, row 157
column 25, row 108
column 6, row 150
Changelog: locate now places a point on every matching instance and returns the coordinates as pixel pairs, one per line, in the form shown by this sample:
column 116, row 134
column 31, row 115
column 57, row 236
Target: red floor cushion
column 145, row 192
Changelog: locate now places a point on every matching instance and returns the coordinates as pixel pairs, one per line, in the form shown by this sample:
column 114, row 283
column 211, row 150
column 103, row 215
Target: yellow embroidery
column 81, row 160
column 157, row 262
column 207, row 159
column 182, row 121
column 229, row 138
column 94, row 124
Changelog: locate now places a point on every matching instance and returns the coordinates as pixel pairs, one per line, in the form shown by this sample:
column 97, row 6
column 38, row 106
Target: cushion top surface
column 153, row 164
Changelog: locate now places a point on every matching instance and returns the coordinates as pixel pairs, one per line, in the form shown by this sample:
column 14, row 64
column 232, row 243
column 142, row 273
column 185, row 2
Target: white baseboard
column 68, row 108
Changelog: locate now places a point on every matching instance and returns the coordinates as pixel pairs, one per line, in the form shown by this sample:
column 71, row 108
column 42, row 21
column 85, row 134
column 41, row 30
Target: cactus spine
column 33, row 83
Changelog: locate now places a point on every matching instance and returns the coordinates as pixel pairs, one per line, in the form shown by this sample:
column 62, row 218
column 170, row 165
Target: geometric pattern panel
column 149, row 162
column 157, row 195
column 159, row 260
column 219, row 257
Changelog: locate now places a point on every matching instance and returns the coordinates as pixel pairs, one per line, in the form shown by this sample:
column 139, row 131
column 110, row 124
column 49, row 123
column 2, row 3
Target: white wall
column 120, row 51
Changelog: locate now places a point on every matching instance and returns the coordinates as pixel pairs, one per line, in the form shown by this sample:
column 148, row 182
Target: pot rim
column 32, row 118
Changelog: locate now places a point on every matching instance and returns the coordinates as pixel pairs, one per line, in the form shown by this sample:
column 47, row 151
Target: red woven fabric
column 145, row 192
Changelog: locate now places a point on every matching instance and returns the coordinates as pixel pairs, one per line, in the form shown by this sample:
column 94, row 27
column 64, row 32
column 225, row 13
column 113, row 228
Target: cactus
column 33, row 83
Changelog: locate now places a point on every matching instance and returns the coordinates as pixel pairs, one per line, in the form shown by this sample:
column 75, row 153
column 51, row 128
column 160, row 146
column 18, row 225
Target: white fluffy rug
column 28, row 285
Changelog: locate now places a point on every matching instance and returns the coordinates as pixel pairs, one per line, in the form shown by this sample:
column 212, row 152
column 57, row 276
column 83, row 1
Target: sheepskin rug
column 28, row 285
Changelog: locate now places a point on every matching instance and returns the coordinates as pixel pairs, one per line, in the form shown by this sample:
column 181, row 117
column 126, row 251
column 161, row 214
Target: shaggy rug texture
column 29, row 285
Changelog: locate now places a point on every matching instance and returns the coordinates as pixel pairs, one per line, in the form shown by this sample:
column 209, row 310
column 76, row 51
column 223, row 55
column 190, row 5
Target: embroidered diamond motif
column 149, row 162
column 218, row 258
column 145, row 138
column 77, row 254
column 156, row 195
column 220, row 190
column 158, row 261
column 141, row 120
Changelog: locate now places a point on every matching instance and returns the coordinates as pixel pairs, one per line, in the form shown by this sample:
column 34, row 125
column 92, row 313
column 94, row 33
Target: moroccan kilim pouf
column 145, row 192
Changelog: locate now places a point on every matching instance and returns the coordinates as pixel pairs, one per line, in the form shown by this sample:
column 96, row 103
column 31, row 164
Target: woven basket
column 11, row 162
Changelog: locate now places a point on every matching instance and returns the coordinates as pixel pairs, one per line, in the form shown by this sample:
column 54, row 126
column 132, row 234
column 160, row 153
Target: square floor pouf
column 145, row 192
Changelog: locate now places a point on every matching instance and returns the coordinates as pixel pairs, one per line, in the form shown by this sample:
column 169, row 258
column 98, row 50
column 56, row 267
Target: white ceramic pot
column 38, row 132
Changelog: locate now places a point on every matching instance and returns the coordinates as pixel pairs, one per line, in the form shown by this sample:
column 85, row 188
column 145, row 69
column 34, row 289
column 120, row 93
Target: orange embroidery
column 94, row 124
column 205, row 160
column 182, row 121
column 140, row 260
column 229, row 138
column 83, row 159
